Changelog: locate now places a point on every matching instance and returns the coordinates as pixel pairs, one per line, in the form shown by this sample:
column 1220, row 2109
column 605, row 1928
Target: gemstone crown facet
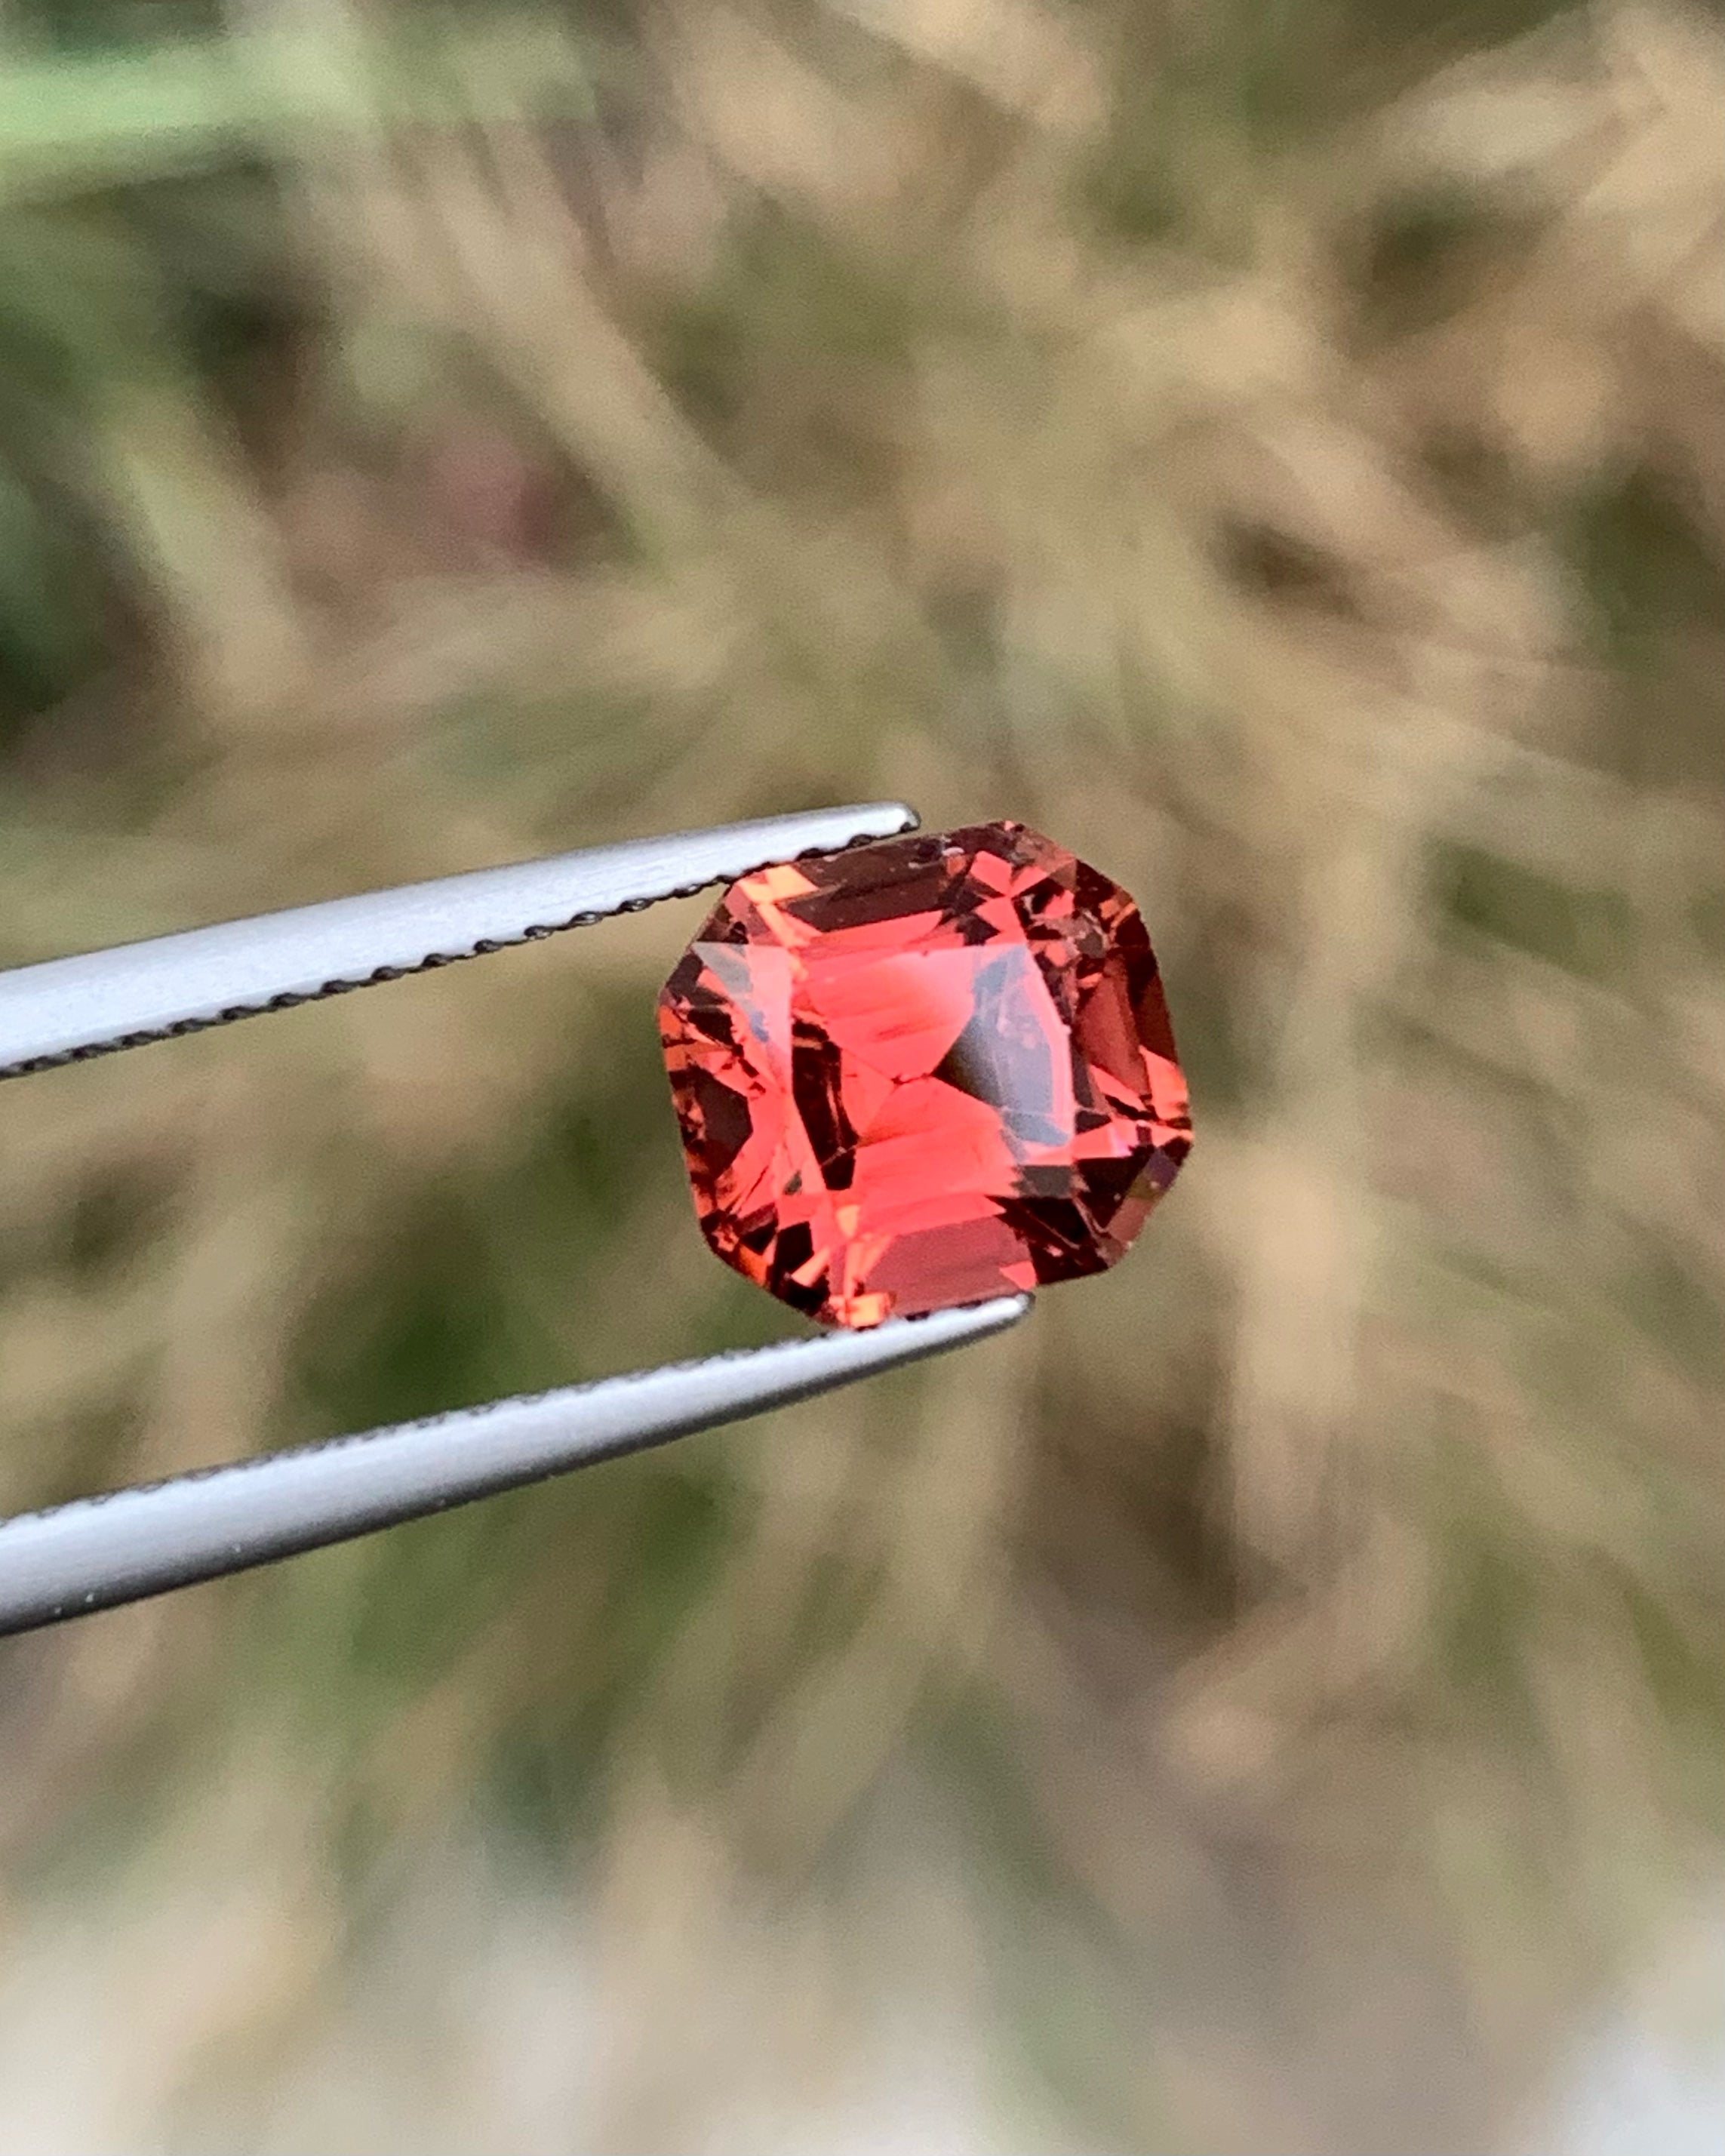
column 923, row 1072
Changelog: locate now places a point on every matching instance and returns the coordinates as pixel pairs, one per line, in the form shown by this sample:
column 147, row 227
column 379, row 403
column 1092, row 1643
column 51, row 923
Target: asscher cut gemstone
column 923, row 1072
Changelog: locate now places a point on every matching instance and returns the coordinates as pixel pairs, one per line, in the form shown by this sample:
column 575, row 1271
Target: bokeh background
column 1275, row 1701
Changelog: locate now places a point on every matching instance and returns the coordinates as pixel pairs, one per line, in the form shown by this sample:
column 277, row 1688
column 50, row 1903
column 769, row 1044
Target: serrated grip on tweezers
column 99, row 1551
column 65, row 1010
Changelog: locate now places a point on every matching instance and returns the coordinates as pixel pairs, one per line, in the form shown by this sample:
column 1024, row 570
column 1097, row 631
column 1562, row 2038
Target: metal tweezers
column 98, row 1552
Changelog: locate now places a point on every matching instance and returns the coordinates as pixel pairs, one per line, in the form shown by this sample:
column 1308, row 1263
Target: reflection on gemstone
column 923, row 1072
column 1011, row 1054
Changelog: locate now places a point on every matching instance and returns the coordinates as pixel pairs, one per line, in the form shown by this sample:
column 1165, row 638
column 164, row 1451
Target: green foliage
column 1645, row 566
column 1584, row 931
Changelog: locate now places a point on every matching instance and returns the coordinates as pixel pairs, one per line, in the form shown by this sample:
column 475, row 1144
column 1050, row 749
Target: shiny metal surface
column 66, row 1009
column 99, row 1551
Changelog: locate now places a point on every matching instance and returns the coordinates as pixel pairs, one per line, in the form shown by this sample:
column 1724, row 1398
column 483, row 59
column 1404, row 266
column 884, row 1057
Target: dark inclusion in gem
column 923, row 1073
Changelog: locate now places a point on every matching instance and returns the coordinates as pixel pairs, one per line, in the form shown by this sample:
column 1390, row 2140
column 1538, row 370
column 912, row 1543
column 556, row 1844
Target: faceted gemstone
column 922, row 1073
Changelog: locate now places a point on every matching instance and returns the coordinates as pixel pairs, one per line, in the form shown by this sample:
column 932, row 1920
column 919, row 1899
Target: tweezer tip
column 964, row 1322
column 874, row 821
column 992, row 1311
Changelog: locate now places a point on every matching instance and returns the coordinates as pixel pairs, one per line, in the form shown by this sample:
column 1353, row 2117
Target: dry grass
column 1278, row 1688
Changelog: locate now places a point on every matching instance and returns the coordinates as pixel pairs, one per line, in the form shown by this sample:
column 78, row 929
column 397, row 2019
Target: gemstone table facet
column 923, row 1072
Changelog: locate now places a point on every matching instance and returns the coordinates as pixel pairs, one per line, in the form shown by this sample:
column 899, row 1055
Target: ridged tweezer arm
column 68, row 1009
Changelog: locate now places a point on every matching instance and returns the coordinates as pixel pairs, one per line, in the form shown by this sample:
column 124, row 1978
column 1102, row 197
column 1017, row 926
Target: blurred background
column 1275, row 1702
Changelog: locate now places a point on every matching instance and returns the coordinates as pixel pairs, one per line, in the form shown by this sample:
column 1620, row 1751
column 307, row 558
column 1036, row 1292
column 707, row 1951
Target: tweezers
column 96, row 1553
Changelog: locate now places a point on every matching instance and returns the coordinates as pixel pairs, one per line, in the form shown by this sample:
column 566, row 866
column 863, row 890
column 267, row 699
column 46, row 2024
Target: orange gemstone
column 923, row 1073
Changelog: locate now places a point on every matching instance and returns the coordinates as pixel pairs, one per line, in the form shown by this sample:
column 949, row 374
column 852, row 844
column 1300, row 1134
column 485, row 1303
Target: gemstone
column 923, row 1072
